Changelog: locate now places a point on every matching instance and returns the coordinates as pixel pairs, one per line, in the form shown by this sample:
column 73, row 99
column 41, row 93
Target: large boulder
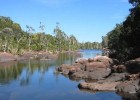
column 99, row 73
column 96, row 74
column 93, row 65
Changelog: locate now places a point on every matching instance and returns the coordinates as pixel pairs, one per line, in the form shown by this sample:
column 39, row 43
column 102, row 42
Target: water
column 38, row 80
column 90, row 53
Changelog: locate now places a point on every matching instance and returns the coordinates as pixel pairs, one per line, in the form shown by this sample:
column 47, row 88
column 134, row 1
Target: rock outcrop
column 97, row 68
column 109, row 74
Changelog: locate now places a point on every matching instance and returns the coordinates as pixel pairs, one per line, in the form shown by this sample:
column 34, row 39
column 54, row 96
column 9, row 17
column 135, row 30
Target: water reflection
column 38, row 80
column 91, row 53
column 9, row 71
column 24, row 70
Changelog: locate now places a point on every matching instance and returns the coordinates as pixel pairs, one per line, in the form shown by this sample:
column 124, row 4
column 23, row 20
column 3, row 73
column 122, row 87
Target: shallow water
column 38, row 80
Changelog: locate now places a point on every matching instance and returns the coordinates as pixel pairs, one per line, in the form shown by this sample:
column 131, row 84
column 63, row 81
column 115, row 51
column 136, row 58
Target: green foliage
column 65, row 42
column 91, row 45
column 14, row 40
column 124, row 39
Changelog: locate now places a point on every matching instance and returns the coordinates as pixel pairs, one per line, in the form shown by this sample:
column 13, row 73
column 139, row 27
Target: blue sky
column 88, row 20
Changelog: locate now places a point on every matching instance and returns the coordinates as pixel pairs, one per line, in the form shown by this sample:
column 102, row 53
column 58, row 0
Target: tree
column 73, row 43
column 30, row 31
column 6, row 35
column 124, row 39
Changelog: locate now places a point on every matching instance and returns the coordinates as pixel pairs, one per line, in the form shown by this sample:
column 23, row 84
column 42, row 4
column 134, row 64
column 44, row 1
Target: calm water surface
column 38, row 80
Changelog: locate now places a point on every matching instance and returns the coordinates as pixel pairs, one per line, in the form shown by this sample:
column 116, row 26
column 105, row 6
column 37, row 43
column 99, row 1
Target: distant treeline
column 16, row 41
column 124, row 40
column 91, row 45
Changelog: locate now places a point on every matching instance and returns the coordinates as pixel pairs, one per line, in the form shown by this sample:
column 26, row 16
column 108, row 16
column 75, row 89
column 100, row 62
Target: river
column 38, row 80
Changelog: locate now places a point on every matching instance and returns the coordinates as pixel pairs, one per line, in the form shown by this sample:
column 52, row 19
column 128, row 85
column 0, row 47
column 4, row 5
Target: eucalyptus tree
column 73, row 43
column 43, row 38
column 30, row 30
column 6, row 35
column 19, row 36
column 59, row 37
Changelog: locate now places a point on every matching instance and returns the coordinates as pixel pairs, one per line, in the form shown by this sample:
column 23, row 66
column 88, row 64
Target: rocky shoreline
column 6, row 57
column 109, row 75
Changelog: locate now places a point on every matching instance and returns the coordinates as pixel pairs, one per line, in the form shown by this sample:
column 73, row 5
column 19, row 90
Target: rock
column 116, row 62
column 81, row 61
column 129, row 90
column 96, row 74
column 133, row 66
column 128, row 87
column 107, row 86
column 118, row 68
column 93, row 65
column 91, row 60
column 115, row 77
column 74, row 70
column 64, row 68
column 70, row 69
column 103, row 59
column 99, row 73
column 79, row 65
column 79, row 75
column 133, row 77
column 127, row 96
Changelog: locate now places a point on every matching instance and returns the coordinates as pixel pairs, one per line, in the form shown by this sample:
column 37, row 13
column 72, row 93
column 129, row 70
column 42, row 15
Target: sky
column 87, row 20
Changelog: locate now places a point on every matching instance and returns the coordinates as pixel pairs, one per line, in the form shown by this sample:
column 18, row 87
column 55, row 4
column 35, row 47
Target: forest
column 124, row 40
column 13, row 39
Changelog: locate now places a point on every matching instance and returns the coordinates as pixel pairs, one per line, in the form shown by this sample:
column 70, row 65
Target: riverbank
column 108, row 75
column 6, row 57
